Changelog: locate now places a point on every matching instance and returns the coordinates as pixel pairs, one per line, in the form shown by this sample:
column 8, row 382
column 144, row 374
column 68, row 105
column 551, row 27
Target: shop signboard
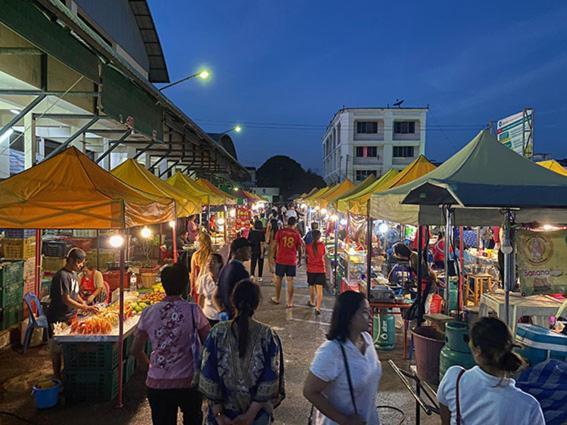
column 542, row 264
column 516, row 132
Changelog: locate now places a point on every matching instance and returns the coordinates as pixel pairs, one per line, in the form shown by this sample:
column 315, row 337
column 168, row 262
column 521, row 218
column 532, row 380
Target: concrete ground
column 301, row 332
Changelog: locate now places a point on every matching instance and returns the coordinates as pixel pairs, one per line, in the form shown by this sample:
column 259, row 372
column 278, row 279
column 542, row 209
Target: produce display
column 105, row 321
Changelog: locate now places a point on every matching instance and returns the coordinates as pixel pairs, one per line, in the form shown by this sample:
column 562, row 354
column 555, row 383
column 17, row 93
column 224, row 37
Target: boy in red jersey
column 288, row 244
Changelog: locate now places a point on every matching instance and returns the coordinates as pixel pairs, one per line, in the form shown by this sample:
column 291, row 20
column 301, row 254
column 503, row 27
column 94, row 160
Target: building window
column 403, row 151
column 404, row 127
column 367, row 127
column 339, row 133
column 362, row 174
column 366, row 151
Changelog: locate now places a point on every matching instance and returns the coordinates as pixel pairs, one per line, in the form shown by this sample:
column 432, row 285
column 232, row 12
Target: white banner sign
column 515, row 132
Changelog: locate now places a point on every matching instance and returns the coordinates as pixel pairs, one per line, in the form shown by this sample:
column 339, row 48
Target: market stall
column 69, row 191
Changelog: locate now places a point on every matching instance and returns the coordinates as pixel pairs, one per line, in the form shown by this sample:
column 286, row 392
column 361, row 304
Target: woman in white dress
column 343, row 380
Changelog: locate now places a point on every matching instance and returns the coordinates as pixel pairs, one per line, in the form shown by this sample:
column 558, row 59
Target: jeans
column 165, row 403
column 257, row 259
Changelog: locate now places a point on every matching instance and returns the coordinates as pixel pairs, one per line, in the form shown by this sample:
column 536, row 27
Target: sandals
column 274, row 301
column 310, row 304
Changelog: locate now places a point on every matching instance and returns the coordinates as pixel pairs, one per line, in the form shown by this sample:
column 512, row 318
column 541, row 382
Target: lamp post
column 203, row 75
column 237, row 129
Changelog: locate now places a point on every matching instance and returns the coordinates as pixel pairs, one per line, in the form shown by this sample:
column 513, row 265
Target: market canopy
column 418, row 168
column 553, row 165
column 218, row 196
column 70, row 191
column 315, row 196
column 336, row 192
column 357, row 202
column 134, row 174
column 479, row 181
column 189, row 188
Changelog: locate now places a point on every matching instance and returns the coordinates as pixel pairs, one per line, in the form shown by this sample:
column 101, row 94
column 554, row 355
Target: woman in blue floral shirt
column 242, row 367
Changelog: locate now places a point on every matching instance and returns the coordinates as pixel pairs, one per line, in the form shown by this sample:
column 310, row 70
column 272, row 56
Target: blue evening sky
column 282, row 68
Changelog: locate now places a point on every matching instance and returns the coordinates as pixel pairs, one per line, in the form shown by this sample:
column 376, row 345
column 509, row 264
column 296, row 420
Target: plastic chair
column 38, row 321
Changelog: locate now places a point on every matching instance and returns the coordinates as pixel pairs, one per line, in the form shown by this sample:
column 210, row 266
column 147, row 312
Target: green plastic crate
column 129, row 369
column 12, row 294
column 82, row 385
column 11, row 272
column 90, row 355
column 10, row 316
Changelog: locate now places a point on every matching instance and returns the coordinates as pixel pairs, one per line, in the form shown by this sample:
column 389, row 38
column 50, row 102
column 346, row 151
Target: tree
column 288, row 175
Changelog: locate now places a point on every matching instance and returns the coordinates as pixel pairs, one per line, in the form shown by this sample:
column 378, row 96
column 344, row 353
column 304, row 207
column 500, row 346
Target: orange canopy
column 134, row 174
column 69, row 191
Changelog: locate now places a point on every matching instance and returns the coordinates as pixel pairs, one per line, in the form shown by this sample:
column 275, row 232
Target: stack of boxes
column 11, row 293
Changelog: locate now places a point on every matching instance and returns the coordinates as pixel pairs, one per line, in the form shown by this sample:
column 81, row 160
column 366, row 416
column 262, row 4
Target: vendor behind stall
column 92, row 287
column 65, row 300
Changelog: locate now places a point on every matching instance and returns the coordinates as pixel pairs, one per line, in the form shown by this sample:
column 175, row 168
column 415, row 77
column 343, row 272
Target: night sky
column 282, row 68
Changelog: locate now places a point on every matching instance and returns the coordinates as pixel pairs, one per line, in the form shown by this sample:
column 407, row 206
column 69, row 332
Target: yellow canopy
column 69, row 191
column 304, row 196
column 189, row 188
column 332, row 195
column 311, row 200
column 133, row 173
column 553, row 165
column 221, row 197
column 356, row 203
column 419, row 167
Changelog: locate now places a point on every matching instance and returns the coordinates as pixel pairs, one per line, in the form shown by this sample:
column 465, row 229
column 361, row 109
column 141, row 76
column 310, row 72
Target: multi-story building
column 363, row 141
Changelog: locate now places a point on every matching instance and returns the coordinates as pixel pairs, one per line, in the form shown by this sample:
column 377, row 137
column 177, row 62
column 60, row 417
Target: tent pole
column 369, row 224
column 461, row 302
column 336, row 265
column 37, row 274
column 98, row 249
column 174, row 236
column 446, row 254
column 507, row 248
column 121, row 330
column 420, row 310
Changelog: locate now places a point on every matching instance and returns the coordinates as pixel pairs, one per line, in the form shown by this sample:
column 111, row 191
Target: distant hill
column 288, row 175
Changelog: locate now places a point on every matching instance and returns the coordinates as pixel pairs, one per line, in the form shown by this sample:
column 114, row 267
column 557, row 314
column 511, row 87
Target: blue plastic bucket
column 46, row 398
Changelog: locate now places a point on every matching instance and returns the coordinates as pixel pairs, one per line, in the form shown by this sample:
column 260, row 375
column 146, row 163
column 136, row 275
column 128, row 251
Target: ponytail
column 243, row 327
column 510, row 362
column 245, row 299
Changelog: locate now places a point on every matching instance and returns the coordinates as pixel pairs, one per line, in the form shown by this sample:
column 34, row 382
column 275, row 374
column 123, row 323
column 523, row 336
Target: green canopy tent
column 478, row 181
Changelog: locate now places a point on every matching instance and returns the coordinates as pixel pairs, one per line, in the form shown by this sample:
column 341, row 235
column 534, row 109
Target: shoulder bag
column 458, row 401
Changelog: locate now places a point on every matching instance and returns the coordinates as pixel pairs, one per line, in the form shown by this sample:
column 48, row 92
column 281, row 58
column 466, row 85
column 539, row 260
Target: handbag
column 459, row 419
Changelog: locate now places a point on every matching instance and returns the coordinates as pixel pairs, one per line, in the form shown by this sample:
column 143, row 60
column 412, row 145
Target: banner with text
column 516, row 132
column 542, row 261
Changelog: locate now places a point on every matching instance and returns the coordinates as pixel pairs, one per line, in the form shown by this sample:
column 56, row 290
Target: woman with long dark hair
column 242, row 367
column 486, row 394
column 343, row 380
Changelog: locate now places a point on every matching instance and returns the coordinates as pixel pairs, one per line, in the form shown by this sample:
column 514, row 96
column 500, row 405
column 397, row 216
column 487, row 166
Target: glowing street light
column 237, row 129
column 116, row 241
column 202, row 75
column 146, row 232
column 172, row 224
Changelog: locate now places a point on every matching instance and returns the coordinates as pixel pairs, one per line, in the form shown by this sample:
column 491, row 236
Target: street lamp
column 237, row 129
column 203, row 75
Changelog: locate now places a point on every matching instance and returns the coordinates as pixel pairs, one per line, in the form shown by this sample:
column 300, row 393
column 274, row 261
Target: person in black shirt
column 257, row 237
column 232, row 273
column 65, row 300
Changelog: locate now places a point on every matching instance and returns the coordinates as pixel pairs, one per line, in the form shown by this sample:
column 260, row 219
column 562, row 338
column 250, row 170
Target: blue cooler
column 540, row 344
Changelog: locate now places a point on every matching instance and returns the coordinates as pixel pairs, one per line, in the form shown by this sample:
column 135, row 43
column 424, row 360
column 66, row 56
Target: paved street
column 301, row 332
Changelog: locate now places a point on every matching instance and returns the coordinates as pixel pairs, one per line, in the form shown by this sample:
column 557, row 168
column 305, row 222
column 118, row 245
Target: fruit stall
column 90, row 347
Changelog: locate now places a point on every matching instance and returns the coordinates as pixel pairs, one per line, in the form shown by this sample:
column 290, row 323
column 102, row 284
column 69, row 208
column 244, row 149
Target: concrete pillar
column 105, row 163
column 162, row 166
column 388, row 154
column 5, row 155
column 131, row 151
column 30, row 143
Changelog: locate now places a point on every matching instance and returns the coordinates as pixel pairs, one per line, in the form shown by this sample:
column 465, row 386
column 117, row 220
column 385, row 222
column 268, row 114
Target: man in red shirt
column 288, row 245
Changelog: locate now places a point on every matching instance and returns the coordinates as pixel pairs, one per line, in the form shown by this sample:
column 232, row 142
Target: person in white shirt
column 486, row 393
column 208, row 285
column 327, row 384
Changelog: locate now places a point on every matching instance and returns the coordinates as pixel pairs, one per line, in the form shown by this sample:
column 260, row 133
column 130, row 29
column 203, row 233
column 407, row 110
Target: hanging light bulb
column 116, row 241
column 172, row 224
column 146, row 232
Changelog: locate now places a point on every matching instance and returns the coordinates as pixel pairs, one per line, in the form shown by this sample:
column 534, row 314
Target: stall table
column 540, row 306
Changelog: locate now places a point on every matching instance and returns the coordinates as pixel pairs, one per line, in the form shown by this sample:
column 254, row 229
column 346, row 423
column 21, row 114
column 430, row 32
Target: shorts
column 285, row 270
column 316, row 278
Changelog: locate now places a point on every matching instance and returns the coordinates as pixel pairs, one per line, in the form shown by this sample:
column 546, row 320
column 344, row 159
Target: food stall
column 70, row 191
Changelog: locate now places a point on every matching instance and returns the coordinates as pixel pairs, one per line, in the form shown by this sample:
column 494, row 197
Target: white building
column 363, row 141
column 272, row 194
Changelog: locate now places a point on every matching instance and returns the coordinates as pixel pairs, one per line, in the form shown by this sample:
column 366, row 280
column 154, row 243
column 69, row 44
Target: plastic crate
column 11, row 316
column 19, row 233
column 53, row 264
column 12, row 294
column 129, row 369
column 11, row 272
column 54, row 249
column 90, row 356
column 82, row 385
column 18, row 248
